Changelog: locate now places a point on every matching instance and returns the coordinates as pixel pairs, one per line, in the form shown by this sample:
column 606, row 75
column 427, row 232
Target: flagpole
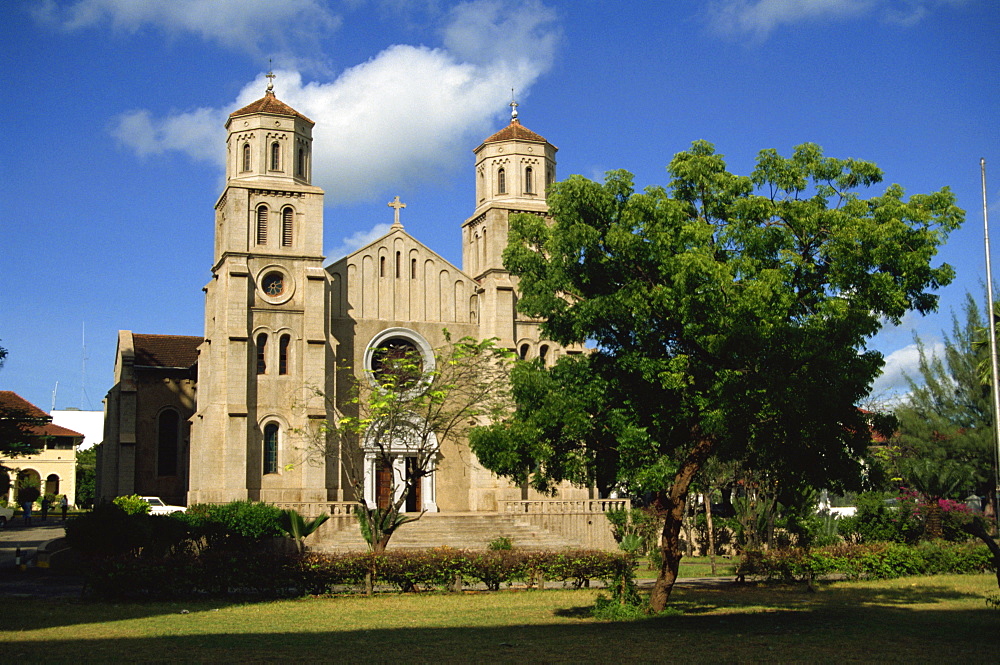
column 993, row 346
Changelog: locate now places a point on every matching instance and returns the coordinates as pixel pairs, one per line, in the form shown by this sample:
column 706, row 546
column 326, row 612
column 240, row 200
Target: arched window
column 262, row 353
column 543, row 353
column 397, row 265
column 283, row 353
column 381, row 266
column 270, row 448
column 523, row 351
column 300, row 165
column 167, row 435
column 52, row 484
column 246, row 156
column 413, row 268
column 287, row 216
column 527, row 181
column 275, row 156
column 549, row 178
column 501, row 182
column 262, row 225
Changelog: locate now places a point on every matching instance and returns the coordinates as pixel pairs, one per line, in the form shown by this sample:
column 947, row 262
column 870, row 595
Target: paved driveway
column 15, row 535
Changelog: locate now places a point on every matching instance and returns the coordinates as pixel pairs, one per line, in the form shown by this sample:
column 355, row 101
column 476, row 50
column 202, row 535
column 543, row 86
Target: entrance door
column 413, row 502
column 383, row 485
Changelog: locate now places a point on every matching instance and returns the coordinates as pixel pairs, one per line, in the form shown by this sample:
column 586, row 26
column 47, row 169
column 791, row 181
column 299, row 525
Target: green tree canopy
column 729, row 313
column 947, row 419
column 18, row 422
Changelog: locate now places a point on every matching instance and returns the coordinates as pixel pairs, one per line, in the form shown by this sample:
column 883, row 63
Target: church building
column 220, row 417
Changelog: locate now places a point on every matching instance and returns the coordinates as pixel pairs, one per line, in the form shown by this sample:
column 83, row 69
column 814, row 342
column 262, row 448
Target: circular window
column 397, row 363
column 274, row 285
column 399, row 359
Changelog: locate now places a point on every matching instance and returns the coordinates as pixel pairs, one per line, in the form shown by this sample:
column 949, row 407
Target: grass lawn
column 925, row 619
column 693, row 566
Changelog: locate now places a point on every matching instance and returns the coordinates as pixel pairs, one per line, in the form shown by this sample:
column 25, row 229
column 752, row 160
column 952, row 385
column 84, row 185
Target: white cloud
column 257, row 26
column 401, row 118
column 900, row 364
column 759, row 18
column 356, row 241
column 199, row 133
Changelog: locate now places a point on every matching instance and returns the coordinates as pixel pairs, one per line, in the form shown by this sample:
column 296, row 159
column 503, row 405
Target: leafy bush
column 871, row 560
column 132, row 504
column 640, row 522
column 236, row 520
column 256, row 572
column 500, row 544
column 904, row 521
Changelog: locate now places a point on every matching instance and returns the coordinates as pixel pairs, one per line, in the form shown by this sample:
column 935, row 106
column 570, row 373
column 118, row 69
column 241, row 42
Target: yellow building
column 53, row 469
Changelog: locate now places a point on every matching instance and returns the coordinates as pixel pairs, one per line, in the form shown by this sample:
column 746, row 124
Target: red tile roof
column 515, row 131
column 56, row 430
column 269, row 104
column 11, row 400
column 166, row 350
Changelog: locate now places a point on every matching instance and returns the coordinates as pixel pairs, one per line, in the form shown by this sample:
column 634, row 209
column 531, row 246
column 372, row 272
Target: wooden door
column 383, row 485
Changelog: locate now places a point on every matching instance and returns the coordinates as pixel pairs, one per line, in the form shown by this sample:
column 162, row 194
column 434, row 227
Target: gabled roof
column 166, row 350
column 56, row 430
column 11, row 400
column 515, row 131
column 269, row 104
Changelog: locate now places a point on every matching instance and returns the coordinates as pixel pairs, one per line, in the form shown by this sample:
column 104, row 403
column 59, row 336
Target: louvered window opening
column 287, row 216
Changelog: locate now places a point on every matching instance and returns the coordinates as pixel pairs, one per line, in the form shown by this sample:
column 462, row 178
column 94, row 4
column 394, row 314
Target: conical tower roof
column 515, row 131
column 269, row 103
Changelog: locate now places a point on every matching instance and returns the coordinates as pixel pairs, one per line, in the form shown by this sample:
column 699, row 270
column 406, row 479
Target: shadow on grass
column 875, row 634
column 877, row 622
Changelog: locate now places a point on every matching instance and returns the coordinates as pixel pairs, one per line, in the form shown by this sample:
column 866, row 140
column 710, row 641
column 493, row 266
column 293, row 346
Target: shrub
column 869, row 560
column 500, row 544
column 260, row 573
column 238, row 521
column 640, row 522
column 132, row 504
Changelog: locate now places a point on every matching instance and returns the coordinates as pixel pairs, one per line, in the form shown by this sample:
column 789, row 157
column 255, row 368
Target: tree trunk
column 687, row 519
column 978, row 529
column 711, row 530
column 674, row 503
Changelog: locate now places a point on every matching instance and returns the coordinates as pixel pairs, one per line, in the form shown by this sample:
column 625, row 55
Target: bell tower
column 265, row 336
column 514, row 168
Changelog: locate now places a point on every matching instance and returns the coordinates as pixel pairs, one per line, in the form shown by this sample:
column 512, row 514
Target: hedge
column 270, row 574
column 868, row 560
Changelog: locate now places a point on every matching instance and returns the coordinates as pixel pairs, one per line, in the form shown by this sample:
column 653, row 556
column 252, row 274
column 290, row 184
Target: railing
column 315, row 508
column 561, row 507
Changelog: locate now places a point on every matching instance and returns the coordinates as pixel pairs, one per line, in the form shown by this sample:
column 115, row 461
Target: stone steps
column 461, row 531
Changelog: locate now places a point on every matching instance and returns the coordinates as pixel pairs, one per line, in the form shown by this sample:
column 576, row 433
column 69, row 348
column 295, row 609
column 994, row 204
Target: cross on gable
column 396, row 204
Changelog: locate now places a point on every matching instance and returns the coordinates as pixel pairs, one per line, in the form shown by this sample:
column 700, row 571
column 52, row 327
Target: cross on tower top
column 395, row 203
column 270, row 76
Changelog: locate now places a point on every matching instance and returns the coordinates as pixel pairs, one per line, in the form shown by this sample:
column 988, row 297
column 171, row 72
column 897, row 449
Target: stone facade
column 282, row 331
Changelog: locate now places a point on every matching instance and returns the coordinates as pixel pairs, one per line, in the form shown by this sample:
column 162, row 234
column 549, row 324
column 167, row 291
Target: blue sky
column 112, row 158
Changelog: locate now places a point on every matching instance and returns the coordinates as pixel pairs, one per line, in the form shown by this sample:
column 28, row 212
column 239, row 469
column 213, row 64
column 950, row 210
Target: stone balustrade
column 561, row 507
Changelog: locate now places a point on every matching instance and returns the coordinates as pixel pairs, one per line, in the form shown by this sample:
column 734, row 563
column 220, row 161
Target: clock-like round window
column 399, row 359
column 273, row 284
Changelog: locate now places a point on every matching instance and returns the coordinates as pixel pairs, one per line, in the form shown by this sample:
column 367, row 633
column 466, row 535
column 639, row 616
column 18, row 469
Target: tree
column 947, row 418
column 729, row 313
column 86, row 476
column 399, row 413
column 18, row 422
